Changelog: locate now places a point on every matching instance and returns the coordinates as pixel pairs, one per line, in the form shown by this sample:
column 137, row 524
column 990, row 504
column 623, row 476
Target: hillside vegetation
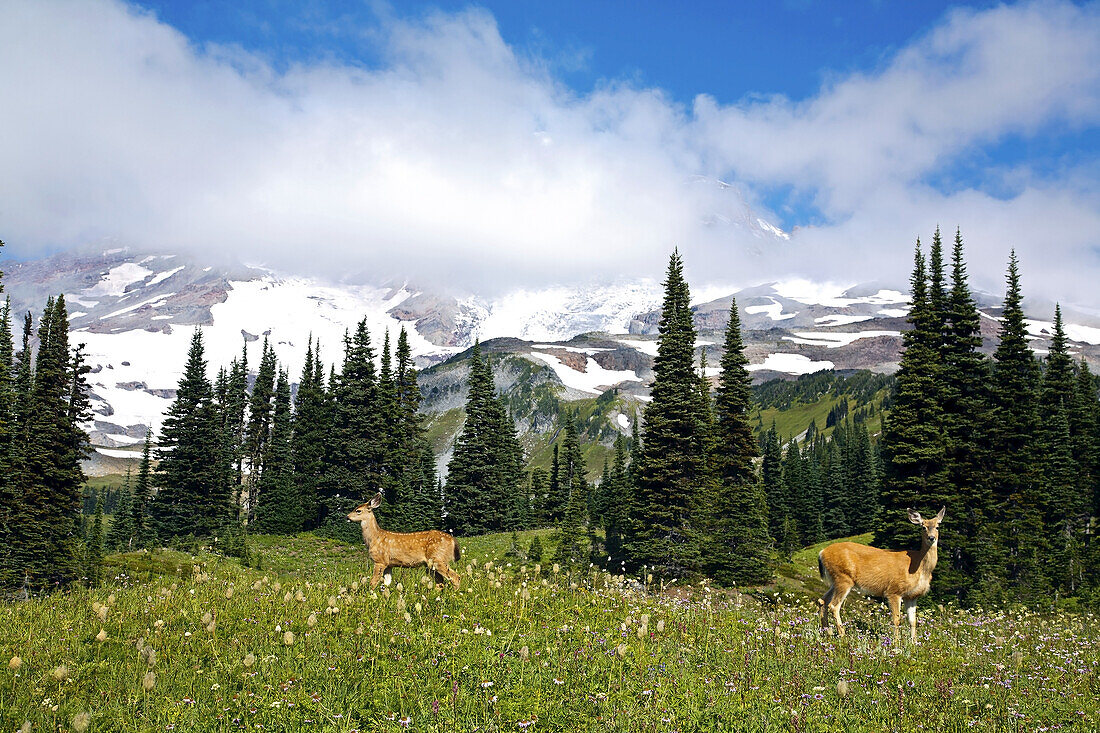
column 197, row 642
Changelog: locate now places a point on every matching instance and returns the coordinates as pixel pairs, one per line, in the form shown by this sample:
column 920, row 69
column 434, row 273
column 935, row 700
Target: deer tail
column 820, row 567
column 458, row 551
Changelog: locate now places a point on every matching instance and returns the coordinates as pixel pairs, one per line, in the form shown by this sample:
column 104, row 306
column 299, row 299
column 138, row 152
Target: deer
column 897, row 576
column 387, row 549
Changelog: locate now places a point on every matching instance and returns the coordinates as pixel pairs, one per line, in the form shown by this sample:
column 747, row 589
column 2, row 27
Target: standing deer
column 404, row 549
column 897, row 576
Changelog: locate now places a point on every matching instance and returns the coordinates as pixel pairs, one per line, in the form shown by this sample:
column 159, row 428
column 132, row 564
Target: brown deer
column 404, row 549
column 896, row 576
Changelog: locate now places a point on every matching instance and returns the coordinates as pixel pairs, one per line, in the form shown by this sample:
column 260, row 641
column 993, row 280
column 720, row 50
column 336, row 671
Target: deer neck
column 370, row 529
column 928, row 557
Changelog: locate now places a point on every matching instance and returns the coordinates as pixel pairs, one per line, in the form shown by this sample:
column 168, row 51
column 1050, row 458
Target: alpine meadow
column 438, row 366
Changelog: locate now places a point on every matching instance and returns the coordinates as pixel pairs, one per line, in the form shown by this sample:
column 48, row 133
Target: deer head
column 366, row 511
column 930, row 527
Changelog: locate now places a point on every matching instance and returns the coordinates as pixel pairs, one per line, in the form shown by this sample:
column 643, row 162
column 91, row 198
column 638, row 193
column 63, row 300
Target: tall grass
column 305, row 645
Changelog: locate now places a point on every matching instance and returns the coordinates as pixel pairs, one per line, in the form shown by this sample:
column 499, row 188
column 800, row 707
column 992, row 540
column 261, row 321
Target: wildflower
column 557, row 568
column 558, row 682
column 1018, row 657
column 60, row 673
column 332, row 601
column 211, row 626
column 150, row 655
column 207, row 618
column 26, row 727
column 277, row 586
column 102, row 612
column 149, row 681
column 408, row 618
column 15, row 663
column 486, row 684
column 229, row 592
column 621, row 650
column 101, row 636
column 288, row 638
column 842, row 688
column 249, row 659
column 524, row 653
column 158, row 624
column 418, row 608
column 312, row 620
column 287, row 597
column 81, row 721
column 660, row 627
column 405, row 721
column 299, row 596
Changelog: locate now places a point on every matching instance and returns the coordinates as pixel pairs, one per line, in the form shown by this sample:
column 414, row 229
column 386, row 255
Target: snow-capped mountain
column 136, row 313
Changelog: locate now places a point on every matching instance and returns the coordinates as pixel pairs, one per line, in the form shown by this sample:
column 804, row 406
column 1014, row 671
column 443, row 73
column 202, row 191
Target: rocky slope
column 136, row 313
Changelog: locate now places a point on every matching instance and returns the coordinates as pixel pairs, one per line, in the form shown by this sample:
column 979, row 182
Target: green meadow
column 196, row 642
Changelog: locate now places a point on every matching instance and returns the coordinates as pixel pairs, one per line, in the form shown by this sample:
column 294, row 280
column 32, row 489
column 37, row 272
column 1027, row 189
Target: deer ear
column 914, row 516
column 939, row 517
column 376, row 501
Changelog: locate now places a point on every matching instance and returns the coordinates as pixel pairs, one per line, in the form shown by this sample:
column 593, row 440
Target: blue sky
column 725, row 49
column 504, row 144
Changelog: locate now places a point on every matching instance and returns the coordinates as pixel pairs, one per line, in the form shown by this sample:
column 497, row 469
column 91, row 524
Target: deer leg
column 376, row 576
column 840, row 592
column 895, row 615
column 824, row 603
column 449, row 574
column 911, row 612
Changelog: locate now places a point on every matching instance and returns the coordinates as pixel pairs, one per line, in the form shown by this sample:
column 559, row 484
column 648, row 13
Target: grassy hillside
column 196, row 642
column 792, row 404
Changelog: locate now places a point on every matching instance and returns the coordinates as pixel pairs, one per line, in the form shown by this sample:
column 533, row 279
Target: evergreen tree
column 538, row 488
column 56, row 406
column 122, row 525
column 775, row 490
column 281, row 510
column 964, row 569
column 10, row 490
column 571, row 528
column 671, row 461
column 258, row 429
column 310, row 434
column 355, row 456
column 484, row 474
column 743, row 542
column 1016, row 484
column 913, row 442
column 615, row 518
column 193, row 498
column 145, row 534
column 93, row 548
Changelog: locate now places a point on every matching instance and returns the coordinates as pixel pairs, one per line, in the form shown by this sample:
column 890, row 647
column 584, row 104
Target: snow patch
column 646, row 347
column 832, row 294
column 113, row 453
column 117, row 279
column 623, row 420
column 1045, row 329
column 151, row 301
column 774, row 310
column 894, row 312
column 840, row 319
column 164, row 276
column 769, row 227
column 833, row 340
column 594, row 380
column 572, row 349
column 790, row 364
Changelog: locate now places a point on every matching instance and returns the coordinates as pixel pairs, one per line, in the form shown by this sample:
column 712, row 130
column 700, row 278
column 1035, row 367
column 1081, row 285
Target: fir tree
column 121, row 531
column 671, row 461
column 1015, row 480
column 145, row 534
column 193, row 496
column 93, row 548
column 967, row 544
column 913, row 443
column 743, row 543
column 258, row 429
column 485, row 471
column 281, row 510
column 571, row 528
column 355, row 456
column 310, row 433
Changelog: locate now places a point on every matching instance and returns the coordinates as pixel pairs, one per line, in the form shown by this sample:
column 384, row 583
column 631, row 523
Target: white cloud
column 462, row 161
